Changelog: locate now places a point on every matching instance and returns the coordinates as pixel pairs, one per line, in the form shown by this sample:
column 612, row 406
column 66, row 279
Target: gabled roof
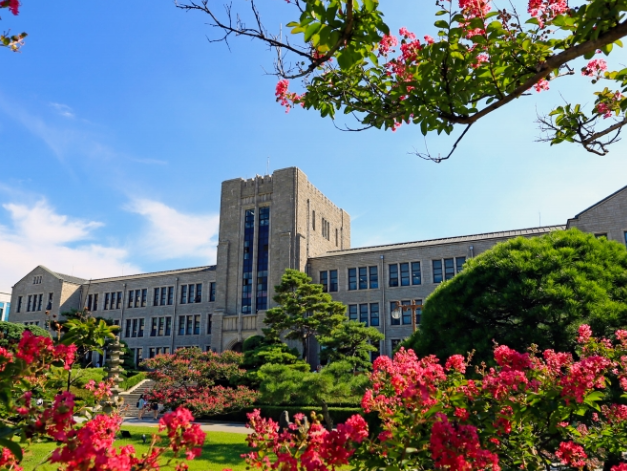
column 598, row 203
column 151, row 274
column 449, row 240
column 60, row 276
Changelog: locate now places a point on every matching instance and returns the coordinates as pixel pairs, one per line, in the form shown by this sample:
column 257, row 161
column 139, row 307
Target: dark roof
column 69, row 278
column 599, row 202
column 449, row 240
column 156, row 273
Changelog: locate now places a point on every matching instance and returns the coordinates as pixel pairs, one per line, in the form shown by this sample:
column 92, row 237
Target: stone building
column 268, row 224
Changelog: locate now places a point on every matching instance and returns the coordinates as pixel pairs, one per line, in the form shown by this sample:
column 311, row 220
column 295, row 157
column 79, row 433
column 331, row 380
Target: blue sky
column 117, row 126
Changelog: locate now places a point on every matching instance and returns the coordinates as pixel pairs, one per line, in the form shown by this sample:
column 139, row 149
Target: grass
column 221, row 450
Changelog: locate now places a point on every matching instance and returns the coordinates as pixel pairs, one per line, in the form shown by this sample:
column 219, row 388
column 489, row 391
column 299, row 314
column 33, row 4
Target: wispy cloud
column 171, row 234
column 37, row 235
column 63, row 110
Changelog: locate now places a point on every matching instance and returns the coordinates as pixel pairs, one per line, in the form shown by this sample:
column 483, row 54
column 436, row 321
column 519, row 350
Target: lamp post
column 396, row 313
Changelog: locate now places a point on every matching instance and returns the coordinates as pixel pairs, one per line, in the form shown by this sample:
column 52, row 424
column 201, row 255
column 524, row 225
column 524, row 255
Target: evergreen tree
column 303, row 311
column 350, row 341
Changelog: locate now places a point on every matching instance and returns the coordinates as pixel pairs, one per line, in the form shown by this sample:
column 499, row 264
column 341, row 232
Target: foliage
column 532, row 411
column 24, row 368
column 11, row 333
column 57, row 377
column 303, row 311
column 199, row 381
column 523, row 291
column 483, row 57
column 259, row 351
column 281, row 384
column 87, row 333
column 337, row 413
column 128, row 360
column 134, row 380
column 15, row 41
column 350, row 341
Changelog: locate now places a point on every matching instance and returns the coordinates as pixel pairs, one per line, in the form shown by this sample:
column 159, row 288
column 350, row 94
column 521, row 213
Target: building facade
column 5, row 306
column 268, row 224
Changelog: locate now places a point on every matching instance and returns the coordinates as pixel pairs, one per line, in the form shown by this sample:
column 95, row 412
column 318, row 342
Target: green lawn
column 221, row 450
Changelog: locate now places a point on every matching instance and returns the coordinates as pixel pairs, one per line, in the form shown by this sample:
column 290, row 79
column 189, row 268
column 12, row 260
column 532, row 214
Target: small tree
column 527, row 291
column 199, row 381
column 303, row 311
column 350, row 341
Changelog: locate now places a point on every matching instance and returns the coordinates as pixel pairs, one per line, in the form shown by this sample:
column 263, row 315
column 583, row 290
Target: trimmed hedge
column 131, row 381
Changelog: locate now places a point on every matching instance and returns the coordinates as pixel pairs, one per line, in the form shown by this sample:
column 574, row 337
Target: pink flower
column 387, row 43
column 585, row 332
column 571, row 454
column 541, row 85
column 429, row 39
column 594, row 67
column 457, row 363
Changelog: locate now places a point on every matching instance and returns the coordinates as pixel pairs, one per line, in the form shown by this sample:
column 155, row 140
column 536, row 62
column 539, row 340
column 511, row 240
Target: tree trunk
column 327, row 417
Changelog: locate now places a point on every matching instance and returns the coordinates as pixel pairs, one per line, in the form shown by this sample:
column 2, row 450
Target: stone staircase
column 131, row 397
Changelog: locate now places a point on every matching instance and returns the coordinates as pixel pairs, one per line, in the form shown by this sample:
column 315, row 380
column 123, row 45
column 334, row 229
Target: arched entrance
column 235, row 346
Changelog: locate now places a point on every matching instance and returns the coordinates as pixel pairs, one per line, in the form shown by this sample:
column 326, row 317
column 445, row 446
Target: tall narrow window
column 106, row 303
column 437, row 271
column 209, row 324
column 140, row 331
column 190, row 325
column 247, row 269
column 139, row 355
column 119, row 303
column 191, row 296
column 170, row 295
column 137, row 297
column 127, row 332
column 625, row 235
column 324, row 281
column 212, row 292
column 131, row 298
column 406, row 313
column 374, row 277
column 363, row 313
column 197, row 324
column 30, row 298
column 89, row 301
column 134, row 331
column 459, row 262
column 168, row 326
column 163, row 295
column 144, row 297
column 352, row 312
column 374, row 314
column 418, row 312
column 49, row 305
column 352, row 279
column 184, row 294
column 449, row 268
column 263, row 252
column 363, row 278
column 333, row 285
column 155, row 297
column 19, row 304
column 393, row 275
column 161, row 322
column 198, row 293
column 95, row 306
column 153, row 327
column 336, row 237
column 416, row 279
column 404, row 274
column 181, row 325
column 313, row 220
column 40, row 301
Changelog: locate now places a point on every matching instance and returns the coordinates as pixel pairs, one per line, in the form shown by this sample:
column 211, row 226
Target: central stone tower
column 267, row 224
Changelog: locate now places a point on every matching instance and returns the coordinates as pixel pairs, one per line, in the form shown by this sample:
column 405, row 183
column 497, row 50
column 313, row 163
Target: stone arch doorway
column 235, row 346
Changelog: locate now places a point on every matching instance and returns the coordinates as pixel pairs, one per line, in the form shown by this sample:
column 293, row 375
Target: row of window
column 162, row 296
column 34, row 302
column 399, row 274
column 368, row 313
column 255, row 285
column 162, row 326
column 37, row 279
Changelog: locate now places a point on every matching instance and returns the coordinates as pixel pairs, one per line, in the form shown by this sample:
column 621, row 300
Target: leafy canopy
column 525, row 291
column 483, row 57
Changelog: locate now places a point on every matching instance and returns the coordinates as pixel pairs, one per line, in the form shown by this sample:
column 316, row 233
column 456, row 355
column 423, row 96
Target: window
column 137, row 297
column 37, row 279
column 144, row 297
column 134, row 327
column 208, row 325
column 40, row 299
column 189, row 325
column 363, row 278
column 459, row 263
column 368, row 313
column 326, row 229
column 131, row 298
column 374, row 314
column 416, row 279
column 161, row 326
column 394, row 343
column 191, row 294
column 212, row 292
column 451, row 266
column 404, row 274
column 247, row 267
column 90, row 299
column 374, row 277
column 406, row 314
column 333, row 285
column 30, row 300
column 19, row 303
column 393, row 270
column 352, row 279
column 625, row 235
column 263, row 253
column 106, row 301
column 377, row 353
column 324, row 281
column 184, row 294
column 49, row 305
column 336, row 237
column 139, row 355
column 437, row 271
column 163, row 296
column 313, row 220
column 31, row 323
column 352, row 312
column 600, row 234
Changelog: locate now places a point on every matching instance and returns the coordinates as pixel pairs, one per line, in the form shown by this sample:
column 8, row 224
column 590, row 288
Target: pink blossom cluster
column 607, row 107
column 572, row 454
column 32, row 347
column 546, row 10
column 12, row 5
column 285, row 97
column 101, row 390
column 594, row 68
column 183, row 434
column 475, row 8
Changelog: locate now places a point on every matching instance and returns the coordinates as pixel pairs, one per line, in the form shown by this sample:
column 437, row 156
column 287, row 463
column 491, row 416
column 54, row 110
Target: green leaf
column 369, row 5
column 441, row 24
column 13, row 447
column 311, row 30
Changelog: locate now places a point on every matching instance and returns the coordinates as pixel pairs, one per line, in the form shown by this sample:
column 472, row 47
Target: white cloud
column 38, row 235
column 171, row 234
column 63, row 110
